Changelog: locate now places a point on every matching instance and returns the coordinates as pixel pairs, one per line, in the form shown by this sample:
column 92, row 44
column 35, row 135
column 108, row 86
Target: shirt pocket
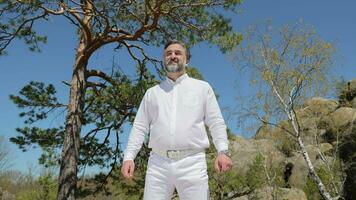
column 190, row 99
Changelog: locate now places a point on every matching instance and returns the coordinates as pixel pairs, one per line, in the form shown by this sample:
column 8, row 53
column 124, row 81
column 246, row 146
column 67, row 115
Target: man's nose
column 173, row 57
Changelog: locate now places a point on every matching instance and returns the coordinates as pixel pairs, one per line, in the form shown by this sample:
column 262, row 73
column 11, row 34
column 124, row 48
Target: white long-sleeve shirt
column 175, row 114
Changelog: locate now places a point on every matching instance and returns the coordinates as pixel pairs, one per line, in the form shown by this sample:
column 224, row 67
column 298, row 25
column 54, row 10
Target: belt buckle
column 171, row 154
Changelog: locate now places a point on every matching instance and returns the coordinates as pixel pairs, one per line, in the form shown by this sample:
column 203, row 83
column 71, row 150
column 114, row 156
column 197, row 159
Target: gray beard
column 173, row 68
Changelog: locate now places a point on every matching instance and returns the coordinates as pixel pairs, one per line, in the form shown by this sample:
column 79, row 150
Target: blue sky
column 334, row 21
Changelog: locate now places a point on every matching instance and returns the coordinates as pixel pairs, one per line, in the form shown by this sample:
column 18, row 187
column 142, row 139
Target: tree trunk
column 312, row 172
column 67, row 182
column 321, row 187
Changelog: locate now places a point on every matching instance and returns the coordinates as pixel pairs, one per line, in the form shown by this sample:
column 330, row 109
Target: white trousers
column 188, row 175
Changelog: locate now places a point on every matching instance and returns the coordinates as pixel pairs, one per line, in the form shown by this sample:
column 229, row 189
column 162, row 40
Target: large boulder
column 337, row 124
column 246, row 150
column 320, row 106
column 342, row 117
column 310, row 117
column 300, row 171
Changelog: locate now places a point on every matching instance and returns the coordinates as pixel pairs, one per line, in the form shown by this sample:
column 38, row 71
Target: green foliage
column 111, row 100
column 38, row 99
column 116, row 186
column 105, row 109
column 232, row 184
column 45, row 188
column 220, row 185
column 14, row 23
column 291, row 60
column 188, row 21
column 256, row 175
column 194, row 73
column 26, row 186
column 287, row 145
column 332, row 179
column 133, row 189
column 310, row 189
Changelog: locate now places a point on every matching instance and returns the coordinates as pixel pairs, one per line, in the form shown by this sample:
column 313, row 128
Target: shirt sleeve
column 139, row 129
column 215, row 122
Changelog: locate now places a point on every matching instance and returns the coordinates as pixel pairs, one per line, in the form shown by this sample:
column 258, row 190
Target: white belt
column 177, row 154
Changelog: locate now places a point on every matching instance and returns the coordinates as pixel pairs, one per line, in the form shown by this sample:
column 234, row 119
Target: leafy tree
column 287, row 65
column 106, row 111
column 129, row 24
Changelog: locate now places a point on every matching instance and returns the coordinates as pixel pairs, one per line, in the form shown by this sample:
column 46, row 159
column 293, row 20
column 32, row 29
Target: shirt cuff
column 221, row 146
column 128, row 157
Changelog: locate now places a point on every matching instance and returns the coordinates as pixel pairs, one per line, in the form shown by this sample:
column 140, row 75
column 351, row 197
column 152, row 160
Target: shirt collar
column 179, row 79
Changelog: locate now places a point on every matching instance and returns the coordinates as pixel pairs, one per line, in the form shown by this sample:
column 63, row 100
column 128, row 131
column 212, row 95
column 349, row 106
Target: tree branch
column 100, row 74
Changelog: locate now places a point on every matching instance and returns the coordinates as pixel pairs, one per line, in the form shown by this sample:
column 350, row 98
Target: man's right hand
column 128, row 168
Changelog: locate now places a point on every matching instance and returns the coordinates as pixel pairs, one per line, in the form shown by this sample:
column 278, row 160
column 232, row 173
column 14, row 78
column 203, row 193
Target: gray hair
column 187, row 51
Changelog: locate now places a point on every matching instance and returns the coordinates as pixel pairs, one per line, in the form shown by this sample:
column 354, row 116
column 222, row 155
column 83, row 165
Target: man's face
column 175, row 58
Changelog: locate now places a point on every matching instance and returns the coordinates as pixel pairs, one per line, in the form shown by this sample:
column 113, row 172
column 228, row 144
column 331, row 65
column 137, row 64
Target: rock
column 242, row 198
column 291, row 194
column 300, row 170
column 342, row 117
column 310, row 117
column 353, row 103
column 245, row 151
column 279, row 193
column 326, row 148
column 320, row 106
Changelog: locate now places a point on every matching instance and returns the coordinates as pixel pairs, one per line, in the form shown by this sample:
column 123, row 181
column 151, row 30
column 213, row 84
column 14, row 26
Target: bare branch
column 100, row 74
column 60, row 11
column 275, row 125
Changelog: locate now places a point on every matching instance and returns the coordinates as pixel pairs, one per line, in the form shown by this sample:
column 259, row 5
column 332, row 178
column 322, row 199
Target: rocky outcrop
column 245, row 151
column 324, row 126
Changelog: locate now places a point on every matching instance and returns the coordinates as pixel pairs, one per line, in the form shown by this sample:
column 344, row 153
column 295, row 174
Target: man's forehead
column 175, row 47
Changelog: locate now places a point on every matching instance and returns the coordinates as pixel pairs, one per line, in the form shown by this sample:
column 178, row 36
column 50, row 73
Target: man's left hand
column 223, row 163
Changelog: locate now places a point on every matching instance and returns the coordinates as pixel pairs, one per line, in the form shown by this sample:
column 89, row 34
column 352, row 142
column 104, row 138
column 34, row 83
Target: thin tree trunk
column 293, row 118
column 67, row 182
column 321, row 187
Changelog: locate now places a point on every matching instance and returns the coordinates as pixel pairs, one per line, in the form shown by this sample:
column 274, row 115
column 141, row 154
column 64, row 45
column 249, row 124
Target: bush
column 44, row 188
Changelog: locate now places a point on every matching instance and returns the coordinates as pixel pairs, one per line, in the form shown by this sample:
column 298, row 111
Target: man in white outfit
column 175, row 113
